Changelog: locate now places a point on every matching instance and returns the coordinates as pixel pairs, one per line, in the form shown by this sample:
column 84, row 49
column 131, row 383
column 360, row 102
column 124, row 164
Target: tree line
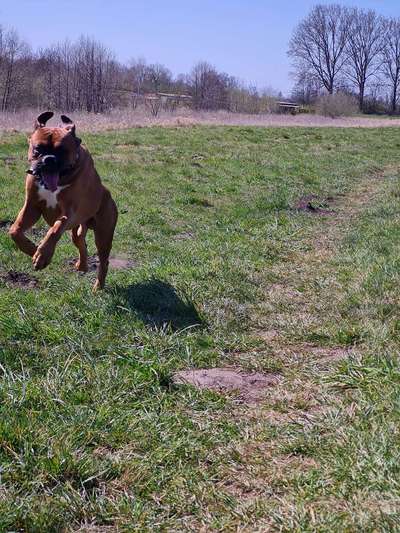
column 85, row 75
column 350, row 50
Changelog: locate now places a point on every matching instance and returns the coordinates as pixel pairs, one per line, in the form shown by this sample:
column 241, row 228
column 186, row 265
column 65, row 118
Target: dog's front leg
column 45, row 250
column 26, row 218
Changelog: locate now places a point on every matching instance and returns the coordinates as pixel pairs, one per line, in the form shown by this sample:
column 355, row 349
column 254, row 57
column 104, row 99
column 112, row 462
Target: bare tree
column 94, row 68
column 13, row 51
column 159, row 77
column 84, row 75
column 391, row 59
column 318, row 44
column 153, row 103
column 307, row 89
column 137, row 75
column 209, row 88
column 77, row 76
column 364, row 49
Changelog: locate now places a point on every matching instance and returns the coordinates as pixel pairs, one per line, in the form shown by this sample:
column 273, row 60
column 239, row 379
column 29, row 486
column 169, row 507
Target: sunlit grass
column 92, row 431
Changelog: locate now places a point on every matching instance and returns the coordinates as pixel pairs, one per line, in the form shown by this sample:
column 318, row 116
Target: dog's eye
column 36, row 152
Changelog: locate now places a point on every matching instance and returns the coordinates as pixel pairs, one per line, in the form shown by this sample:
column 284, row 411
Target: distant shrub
column 306, row 110
column 251, row 102
column 373, row 106
column 336, row 105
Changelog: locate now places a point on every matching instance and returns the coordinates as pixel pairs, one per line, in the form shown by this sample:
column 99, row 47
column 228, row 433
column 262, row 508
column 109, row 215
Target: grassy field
column 224, row 271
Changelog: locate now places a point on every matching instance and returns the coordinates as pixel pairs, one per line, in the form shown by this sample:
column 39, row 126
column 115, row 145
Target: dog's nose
column 49, row 160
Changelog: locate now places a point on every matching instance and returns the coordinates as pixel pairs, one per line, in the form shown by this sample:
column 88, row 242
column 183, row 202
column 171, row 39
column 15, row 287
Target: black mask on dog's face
column 53, row 152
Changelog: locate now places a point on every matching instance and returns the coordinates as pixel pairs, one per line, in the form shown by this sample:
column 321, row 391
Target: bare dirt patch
column 183, row 236
column 280, row 290
column 5, row 224
column 331, row 355
column 250, row 386
column 321, row 354
column 116, row 263
column 314, row 205
column 19, row 279
column 324, row 355
column 120, row 263
column 38, row 233
column 35, row 232
column 268, row 335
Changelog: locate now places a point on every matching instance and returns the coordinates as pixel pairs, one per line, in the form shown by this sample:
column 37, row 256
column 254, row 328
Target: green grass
column 92, row 430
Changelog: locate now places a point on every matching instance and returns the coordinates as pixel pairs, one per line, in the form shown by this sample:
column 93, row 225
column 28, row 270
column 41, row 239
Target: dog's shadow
column 158, row 305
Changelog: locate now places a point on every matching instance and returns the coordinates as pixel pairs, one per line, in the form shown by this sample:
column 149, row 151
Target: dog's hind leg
column 78, row 238
column 105, row 222
column 26, row 218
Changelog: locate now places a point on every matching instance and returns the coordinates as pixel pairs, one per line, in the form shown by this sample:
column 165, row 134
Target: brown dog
column 63, row 186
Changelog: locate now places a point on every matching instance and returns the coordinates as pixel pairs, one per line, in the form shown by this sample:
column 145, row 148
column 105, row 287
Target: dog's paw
column 41, row 259
column 97, row 286
column 80, row 266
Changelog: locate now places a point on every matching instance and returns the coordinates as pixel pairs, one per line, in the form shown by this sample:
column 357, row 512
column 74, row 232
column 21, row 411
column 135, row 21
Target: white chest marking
column 48, row 196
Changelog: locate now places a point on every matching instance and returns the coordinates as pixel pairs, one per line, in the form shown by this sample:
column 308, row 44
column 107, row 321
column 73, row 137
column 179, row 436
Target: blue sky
column 247, row 39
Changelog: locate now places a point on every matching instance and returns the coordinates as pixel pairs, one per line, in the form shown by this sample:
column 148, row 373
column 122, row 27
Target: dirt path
column 260, row 472
column 308, row 277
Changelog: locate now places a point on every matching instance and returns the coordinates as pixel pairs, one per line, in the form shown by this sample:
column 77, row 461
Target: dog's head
column 53, row 152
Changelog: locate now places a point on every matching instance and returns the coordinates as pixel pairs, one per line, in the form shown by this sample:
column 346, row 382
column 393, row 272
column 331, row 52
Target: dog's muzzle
column 46, row 171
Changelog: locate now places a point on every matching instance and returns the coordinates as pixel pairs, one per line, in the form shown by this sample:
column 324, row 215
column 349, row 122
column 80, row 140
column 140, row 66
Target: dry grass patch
column 187, row 118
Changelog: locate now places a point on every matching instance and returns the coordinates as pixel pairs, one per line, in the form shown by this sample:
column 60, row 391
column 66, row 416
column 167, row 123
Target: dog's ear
column 68, row 124
column 66, row 120
column 42, row 119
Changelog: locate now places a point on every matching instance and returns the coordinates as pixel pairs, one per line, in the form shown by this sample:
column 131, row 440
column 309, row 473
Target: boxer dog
column 62, row 185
